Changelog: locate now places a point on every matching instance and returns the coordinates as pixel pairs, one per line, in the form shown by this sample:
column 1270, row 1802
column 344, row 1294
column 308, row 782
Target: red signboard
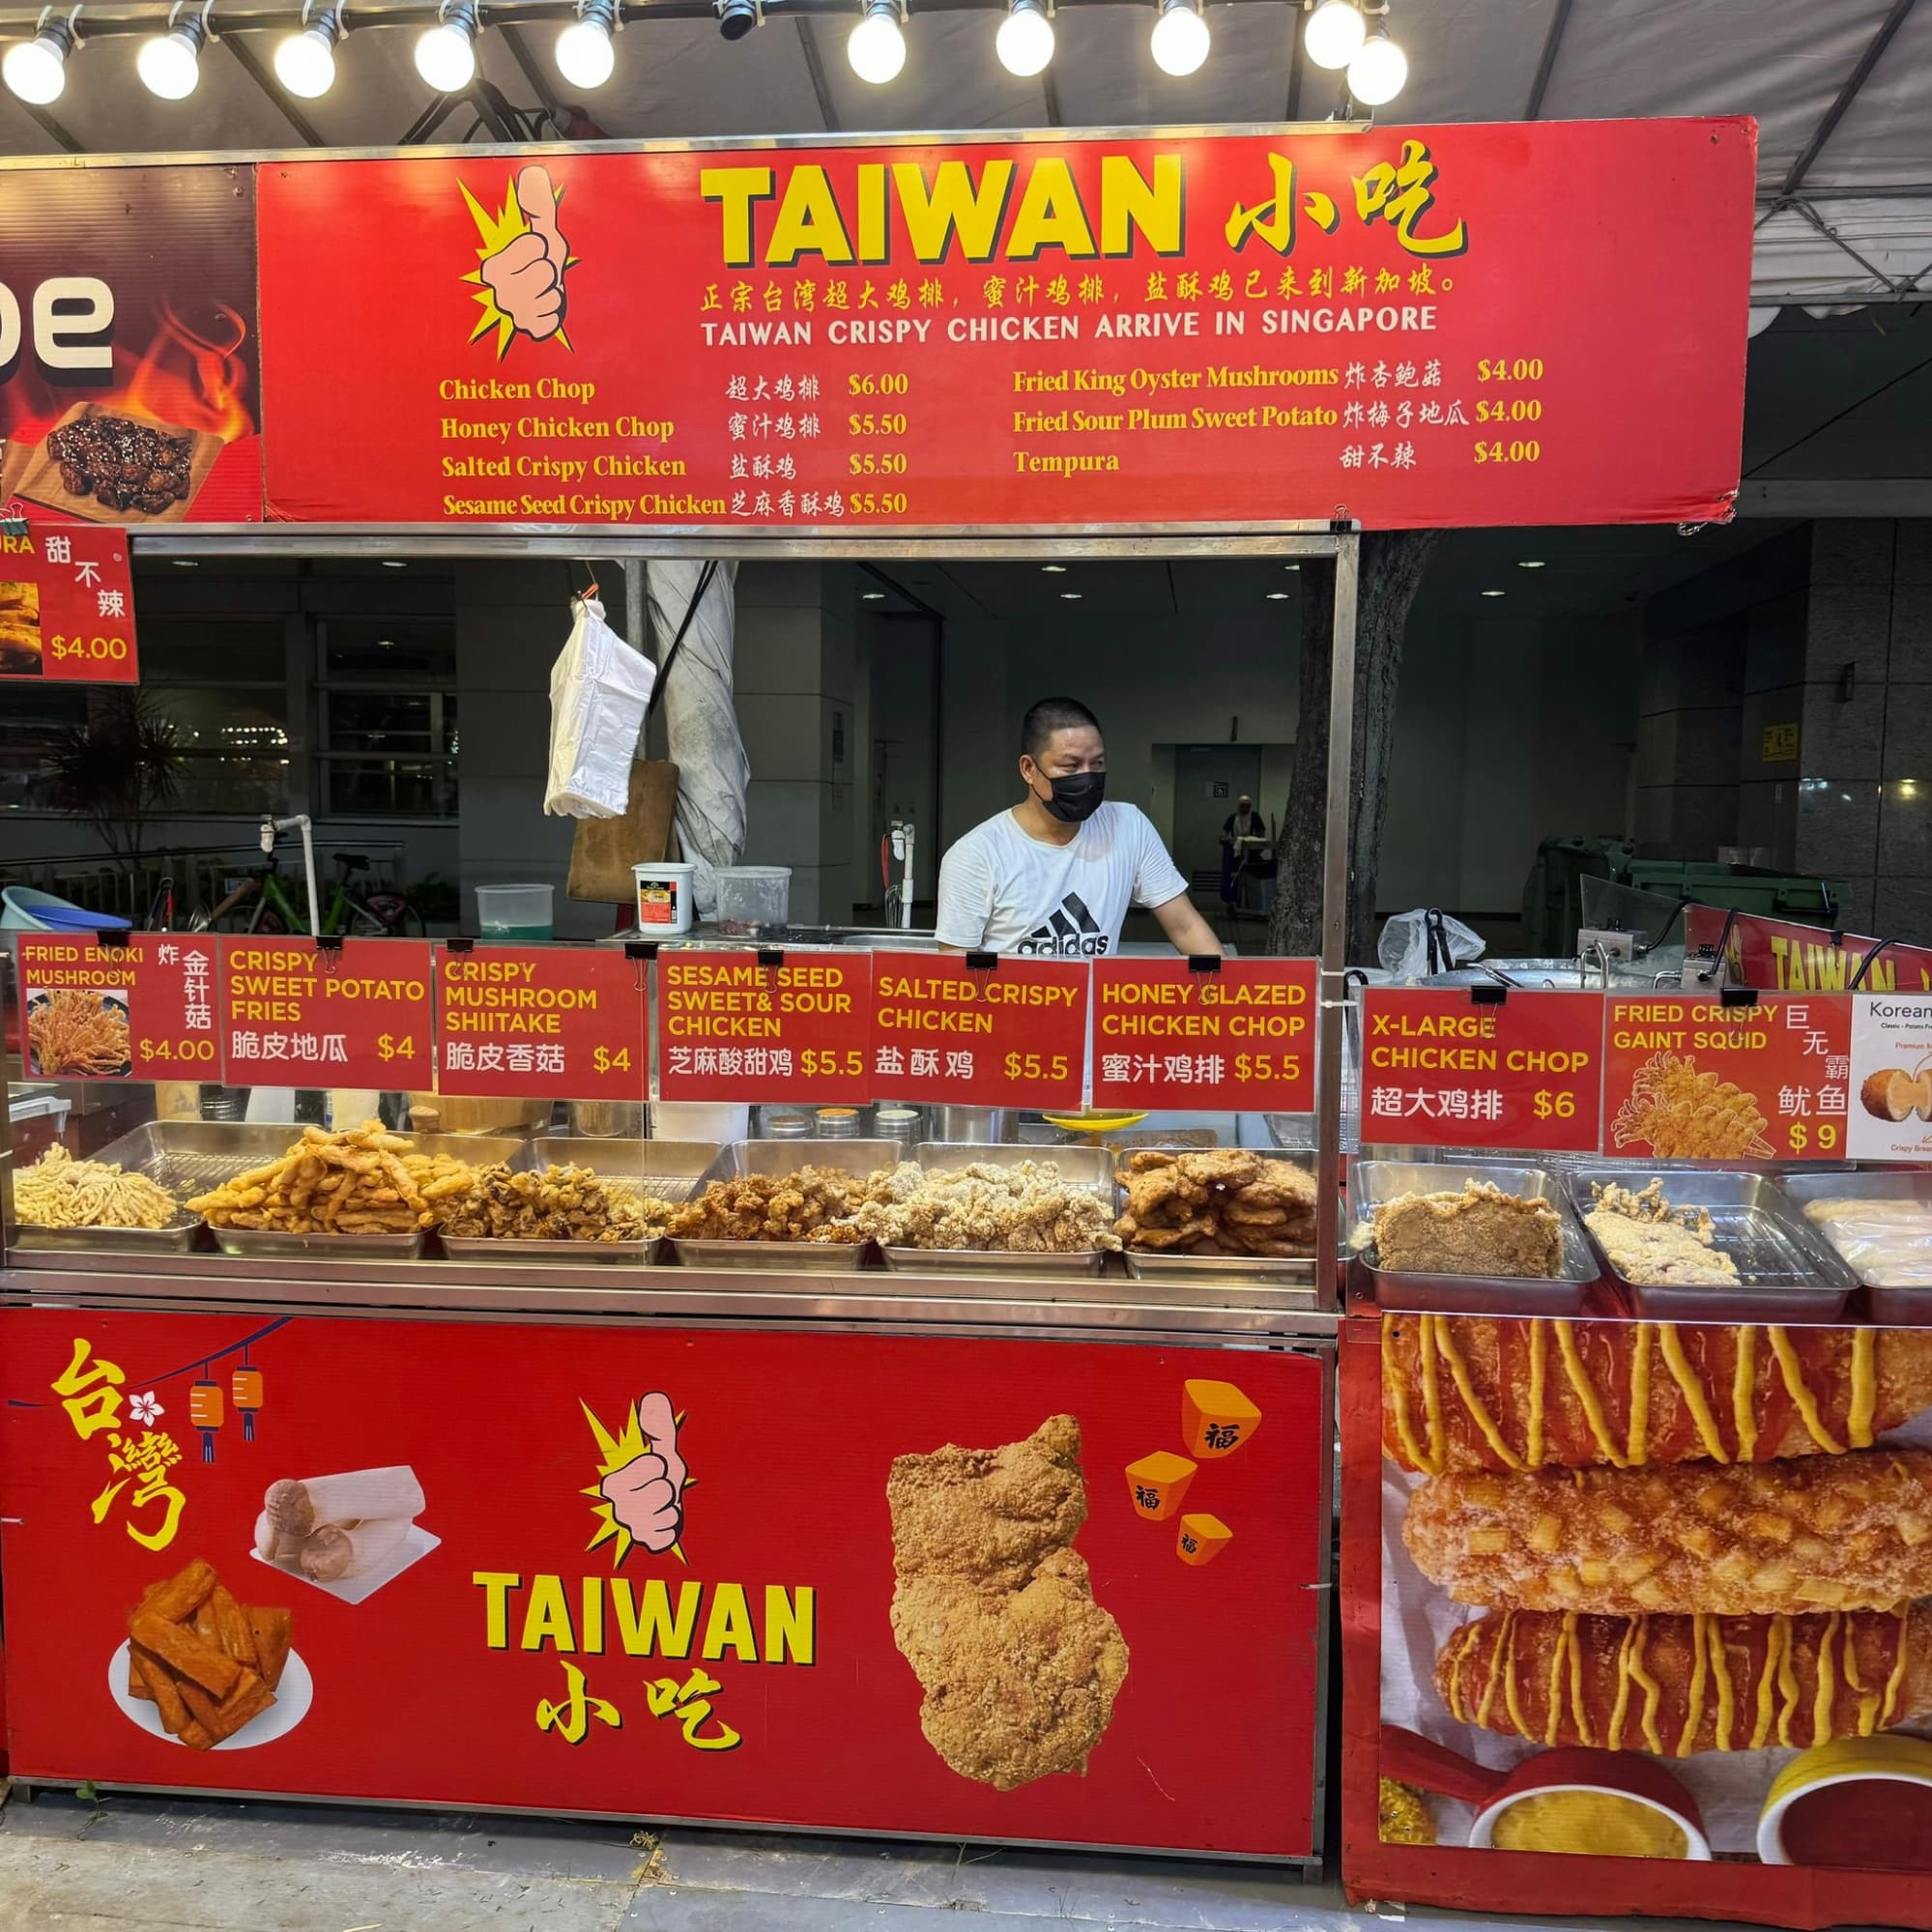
column 1011, row 1032
column 1688, row 1078
column 1782, row 957
column 546, row 1571
column 66, row 603
column 539, row 1021
column 731, row 1027
column 1240, row 1037
column 351, row 1013
column 140, row 1009
column 1451, row 1067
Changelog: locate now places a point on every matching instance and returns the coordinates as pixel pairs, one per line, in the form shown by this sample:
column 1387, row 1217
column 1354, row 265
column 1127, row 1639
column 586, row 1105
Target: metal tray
column 1904, row 1305
column 273, row 1244
column 1268, row 1269
column 663, row 1170
column 1372, row 1182
column 1786, row 1270
column 177, row 1237
column 1080, row 1166
column 507, row 1250
column 738, row 1158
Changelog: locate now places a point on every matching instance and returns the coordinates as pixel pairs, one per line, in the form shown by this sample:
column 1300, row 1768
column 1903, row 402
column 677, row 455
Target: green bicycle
column 376, row 915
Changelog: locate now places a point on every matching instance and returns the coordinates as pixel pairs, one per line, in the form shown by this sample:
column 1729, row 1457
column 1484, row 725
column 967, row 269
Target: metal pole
column 1333, row 995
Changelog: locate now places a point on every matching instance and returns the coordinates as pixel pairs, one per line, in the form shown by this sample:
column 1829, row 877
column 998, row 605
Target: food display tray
column 271, row 1244
column 738, row 1158
column 1275, row 1270
column 1370, row 1183
column 1086, row 1167
column 1787, row 1271
column 177, row 1237
column 1908, row 1307
column 508, row 1249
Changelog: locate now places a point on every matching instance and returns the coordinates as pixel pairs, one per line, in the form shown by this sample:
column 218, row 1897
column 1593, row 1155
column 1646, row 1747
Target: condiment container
column 837, row 1123
column 514, row 912
column 753, row 896
column 896, row 1123
column 1886, row 1822
column 784, row 1125
column 664, row 889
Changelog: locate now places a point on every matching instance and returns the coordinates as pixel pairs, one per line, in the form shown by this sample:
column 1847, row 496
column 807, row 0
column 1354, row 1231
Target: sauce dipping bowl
column 1889, row 1769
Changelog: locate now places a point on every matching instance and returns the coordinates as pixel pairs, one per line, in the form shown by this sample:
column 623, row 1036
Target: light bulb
column 877, row 48
column 1378, row 72
column 585, row 55
column 305, row 62
column 1025, row 43
column 36, row 70
column 1334, row 33
column 445, row 54
column 170, row 64
column 1180, row 39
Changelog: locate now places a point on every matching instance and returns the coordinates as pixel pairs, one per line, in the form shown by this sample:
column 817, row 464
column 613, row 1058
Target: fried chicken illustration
column 995, row 1611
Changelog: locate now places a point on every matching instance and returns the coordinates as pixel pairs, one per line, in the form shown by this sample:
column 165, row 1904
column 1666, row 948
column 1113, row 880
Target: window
column 388, row 721
column 224, row 684
column 32, row 719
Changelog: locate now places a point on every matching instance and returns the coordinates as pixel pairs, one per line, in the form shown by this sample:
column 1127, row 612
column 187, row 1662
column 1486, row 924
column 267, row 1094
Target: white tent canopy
column 1842, row 90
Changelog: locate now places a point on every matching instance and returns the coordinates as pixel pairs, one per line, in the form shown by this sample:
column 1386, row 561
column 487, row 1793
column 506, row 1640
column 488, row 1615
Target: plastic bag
column 599, row 691
column 1424, row 942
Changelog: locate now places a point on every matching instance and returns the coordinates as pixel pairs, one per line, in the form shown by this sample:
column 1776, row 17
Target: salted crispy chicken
column 994, row 1611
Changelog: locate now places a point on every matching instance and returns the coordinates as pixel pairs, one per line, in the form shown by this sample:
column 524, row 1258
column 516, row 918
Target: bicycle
column 379, row 915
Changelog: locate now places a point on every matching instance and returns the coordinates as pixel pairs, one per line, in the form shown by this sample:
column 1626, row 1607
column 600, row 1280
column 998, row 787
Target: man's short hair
column 1051, row 716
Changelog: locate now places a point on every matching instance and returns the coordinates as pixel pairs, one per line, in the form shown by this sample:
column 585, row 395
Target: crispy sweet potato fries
column 208, row 1663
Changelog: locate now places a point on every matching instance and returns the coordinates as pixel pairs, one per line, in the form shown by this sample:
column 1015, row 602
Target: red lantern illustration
column 246, row 1386
column 204, row 1412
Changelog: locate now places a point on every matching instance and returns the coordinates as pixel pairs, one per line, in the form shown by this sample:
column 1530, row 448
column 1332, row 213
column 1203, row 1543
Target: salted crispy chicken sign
column 1407, row 326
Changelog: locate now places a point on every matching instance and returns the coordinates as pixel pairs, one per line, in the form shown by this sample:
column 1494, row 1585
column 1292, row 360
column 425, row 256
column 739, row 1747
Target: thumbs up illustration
column 525, row 275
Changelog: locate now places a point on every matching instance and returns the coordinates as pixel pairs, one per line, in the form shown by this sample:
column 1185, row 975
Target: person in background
column 1243, row 823
column 1055, row 874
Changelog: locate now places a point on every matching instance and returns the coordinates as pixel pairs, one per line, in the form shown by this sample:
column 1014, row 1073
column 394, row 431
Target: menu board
column 339, row 1013
column 752, row 1025
column 1239, row 1036
column 1456, row 1067
column 1689, row 1078
column 141, row 1007
column 979, row 1030
column 545, row 1022
column 67, row 602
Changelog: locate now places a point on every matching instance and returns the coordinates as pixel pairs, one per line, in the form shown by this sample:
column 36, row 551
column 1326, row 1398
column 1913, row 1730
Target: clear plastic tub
column 753, row 898
column 515, row 911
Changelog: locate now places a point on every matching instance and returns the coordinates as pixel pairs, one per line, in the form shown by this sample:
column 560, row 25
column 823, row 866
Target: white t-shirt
column 1001, row 891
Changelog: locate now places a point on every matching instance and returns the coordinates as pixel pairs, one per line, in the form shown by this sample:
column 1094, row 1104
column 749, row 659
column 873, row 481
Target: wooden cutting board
column 30, row 470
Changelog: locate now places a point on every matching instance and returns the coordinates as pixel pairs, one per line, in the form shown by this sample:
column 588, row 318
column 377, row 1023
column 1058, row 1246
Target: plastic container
column 514, row 912
column 664, row 889
column 25, row 909
column 752, row 898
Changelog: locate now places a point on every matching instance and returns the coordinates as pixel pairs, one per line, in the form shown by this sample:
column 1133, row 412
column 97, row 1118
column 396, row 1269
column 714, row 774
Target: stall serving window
column 388, row 717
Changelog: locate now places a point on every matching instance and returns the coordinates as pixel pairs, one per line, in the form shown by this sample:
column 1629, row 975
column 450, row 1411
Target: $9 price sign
column 540, row 1022
column 1440, row 1071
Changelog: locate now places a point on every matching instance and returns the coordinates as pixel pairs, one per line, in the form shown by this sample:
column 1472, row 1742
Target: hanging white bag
column 599, row 687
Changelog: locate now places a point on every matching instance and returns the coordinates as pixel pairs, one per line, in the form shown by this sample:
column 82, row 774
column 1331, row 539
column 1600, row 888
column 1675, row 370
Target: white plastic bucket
column 663, row 897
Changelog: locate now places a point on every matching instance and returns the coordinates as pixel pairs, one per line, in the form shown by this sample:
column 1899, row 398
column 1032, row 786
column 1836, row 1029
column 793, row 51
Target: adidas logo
column 1071, row 930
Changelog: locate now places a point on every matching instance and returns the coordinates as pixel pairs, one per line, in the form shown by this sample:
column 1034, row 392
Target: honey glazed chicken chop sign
column 1217, row 329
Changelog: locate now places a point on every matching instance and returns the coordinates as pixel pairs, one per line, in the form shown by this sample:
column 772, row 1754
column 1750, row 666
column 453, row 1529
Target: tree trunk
column 1392, row 567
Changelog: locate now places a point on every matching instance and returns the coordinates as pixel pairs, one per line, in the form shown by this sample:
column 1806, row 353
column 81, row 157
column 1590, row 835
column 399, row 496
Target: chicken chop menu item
column 568, row 1203
column 1219, row 1200
column 1655, row 1245
column 1480, row 1230
column 209, row 1664
column 993, row 1609
column 122, row 463
column 1024, row 1209
column 360, row 1181
column 811, row 1204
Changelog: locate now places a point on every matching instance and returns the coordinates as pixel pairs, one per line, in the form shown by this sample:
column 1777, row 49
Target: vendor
column 1056, row 873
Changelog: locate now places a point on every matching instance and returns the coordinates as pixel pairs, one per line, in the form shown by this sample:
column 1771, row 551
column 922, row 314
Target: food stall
column 859, row 1482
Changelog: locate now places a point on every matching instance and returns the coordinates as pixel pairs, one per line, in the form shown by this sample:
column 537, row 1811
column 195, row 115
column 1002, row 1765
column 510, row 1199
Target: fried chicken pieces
column 1221, row 1200
column 993, row 1609
column 566, row 1203
column 1024, row 1209
column 813, row 1204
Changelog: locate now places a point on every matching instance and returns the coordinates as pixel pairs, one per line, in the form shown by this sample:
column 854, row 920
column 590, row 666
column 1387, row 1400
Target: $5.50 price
column 1037, row 1066
column 831, row 1064
column 1267, row 1066
column 65, row 650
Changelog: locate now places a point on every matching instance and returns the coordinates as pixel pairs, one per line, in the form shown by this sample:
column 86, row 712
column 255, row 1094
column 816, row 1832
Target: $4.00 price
column 63, row 649
column 1037, row 1066
column 606, row 1059
column 390, row 1048
column 178, row 1052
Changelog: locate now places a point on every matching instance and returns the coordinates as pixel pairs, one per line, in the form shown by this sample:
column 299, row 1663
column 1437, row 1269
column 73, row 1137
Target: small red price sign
column 1240, row 1037
column 539, row 1021
column 66, row 602
column 779, row 1025
column 1691, row 1079
column 141, row 1009
column 349, row 1013
column 1442, row 1069
column 1008, row 1033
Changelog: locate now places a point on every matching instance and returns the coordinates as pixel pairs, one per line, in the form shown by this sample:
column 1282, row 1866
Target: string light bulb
column 305, row 61
column 1379, row 70
column 1334, row 32
column 445, row 54
column 1180, row 39
column 585, row 55
column 877, row 47
column 170, row 64
column 1025, row 43
column 36, row 70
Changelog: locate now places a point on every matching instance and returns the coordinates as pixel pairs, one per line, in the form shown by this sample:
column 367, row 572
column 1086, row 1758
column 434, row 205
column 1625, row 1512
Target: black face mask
column 1076, row 798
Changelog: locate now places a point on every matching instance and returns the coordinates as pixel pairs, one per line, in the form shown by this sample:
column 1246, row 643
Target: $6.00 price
column 1547, row 1106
